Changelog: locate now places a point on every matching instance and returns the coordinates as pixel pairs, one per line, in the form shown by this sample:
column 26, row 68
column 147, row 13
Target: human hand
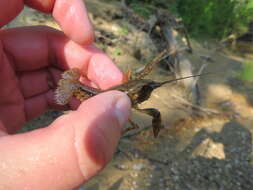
column 75, row 146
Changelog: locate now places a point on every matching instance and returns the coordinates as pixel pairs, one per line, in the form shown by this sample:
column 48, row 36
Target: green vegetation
column 124, row 30
column 117, row 52
column 146, row 8
column 213, row 18
column 247, row 71
column 144, row 11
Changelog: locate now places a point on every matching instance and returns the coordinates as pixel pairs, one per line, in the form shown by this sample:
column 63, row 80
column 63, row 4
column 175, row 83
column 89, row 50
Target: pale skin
column 75, row 146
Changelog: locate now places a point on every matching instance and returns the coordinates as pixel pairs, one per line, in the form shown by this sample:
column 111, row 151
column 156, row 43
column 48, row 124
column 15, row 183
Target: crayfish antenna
column 158, row 84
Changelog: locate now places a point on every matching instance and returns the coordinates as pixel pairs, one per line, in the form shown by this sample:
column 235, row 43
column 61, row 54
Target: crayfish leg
column 156, row 121
column 133, row 126
column 150, row 65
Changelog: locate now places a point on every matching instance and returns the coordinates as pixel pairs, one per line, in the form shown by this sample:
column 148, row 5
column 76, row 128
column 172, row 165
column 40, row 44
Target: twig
column 136, row 132
column 195, row 87
column 199, row 72
column 188, row 42
column 199, row 108
column 141, row 23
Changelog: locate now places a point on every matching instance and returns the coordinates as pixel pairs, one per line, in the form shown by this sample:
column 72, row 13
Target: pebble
column 138, row 166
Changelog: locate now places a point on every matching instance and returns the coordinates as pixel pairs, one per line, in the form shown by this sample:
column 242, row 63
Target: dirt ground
column 212, row 151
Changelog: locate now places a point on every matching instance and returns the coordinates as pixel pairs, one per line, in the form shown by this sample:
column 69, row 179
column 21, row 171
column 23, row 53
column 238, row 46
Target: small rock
column 138, row 166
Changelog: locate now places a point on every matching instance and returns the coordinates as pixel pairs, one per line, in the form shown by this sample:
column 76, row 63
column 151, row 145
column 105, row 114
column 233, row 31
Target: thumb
column 68, row 152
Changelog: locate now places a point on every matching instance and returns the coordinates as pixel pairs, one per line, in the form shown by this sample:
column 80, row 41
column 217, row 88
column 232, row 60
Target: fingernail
column 122, row 109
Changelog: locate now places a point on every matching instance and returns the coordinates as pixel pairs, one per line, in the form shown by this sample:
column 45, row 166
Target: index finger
column 36, row 48
column 37, row 54
column 71, row 15
column 73, row 18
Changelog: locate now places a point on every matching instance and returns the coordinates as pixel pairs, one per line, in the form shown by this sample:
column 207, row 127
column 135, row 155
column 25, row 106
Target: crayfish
column 136, row 87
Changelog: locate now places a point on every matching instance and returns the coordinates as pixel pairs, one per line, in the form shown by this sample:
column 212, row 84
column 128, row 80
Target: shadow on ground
column 233, row 168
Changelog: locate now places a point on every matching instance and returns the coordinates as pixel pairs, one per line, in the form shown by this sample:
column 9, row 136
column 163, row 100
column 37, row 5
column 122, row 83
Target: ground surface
column 209, row 152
